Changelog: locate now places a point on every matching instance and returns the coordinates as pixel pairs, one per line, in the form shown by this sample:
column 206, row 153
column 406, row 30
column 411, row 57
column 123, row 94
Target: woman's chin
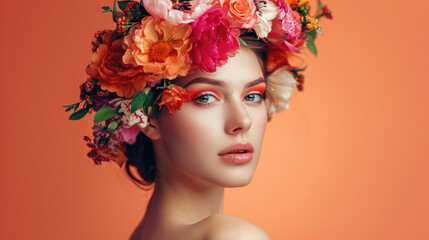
column 237, row 180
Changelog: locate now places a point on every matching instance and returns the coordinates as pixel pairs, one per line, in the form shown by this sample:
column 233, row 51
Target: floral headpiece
column 133, row 67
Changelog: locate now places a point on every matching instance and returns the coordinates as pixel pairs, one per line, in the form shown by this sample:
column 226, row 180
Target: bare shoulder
column 225, row 227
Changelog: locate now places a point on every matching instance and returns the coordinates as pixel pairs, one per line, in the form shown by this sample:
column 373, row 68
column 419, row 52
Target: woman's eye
column 206, row 98
column 254, row 97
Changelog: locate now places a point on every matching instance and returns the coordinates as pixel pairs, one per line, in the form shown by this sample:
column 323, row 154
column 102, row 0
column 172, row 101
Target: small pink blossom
column 213, row 40
column 178, row 12
column 129, row 135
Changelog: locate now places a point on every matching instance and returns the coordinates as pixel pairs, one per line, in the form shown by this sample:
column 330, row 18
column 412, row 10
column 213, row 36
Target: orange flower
column 279, row 58
column 161, row 48
column 113, row 74
column 174, row 98
column 294, row 3
column 243, row 11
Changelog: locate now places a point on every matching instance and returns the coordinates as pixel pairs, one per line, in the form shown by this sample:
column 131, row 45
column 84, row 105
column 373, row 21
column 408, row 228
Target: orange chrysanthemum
column 161, row 48
column 113, row 74
column 296, row 3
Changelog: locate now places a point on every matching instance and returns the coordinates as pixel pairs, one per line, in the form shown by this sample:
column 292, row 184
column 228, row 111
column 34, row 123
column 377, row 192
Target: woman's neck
column 185, row 199
column 181, row 197
column 177, row 203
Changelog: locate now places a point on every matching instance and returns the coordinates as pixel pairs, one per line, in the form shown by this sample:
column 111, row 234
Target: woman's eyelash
column 262, row 96
column 207, row 96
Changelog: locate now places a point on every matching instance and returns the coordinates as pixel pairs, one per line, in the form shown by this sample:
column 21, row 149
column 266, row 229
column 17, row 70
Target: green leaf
column 320, row 6
column 113, row 125
column 138, row 101
column 104, row 114
column 71, row 105
column 76, row 106
column 106, row 9
column 312, row 47
column 79, row 114
column 301, row 69
column 242, row 42
column 155, row 110
column 115, row 14
column 311, row 34
column 149, row 97
column 123, row 4
column 146, row 110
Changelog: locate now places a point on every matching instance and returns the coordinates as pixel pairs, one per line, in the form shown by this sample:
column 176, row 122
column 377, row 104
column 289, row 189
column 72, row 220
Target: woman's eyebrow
column 253, row 83
column 220, row 83
column 205, row 80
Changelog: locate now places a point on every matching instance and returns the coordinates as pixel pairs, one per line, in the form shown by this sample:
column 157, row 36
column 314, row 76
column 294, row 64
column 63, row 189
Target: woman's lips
column 238, row 153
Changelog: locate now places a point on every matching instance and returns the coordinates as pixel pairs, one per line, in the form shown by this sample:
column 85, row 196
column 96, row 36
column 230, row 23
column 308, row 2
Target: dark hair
column 141, row 155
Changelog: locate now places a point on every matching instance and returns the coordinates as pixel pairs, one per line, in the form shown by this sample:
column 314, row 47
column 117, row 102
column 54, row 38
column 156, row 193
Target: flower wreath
column 133, row 67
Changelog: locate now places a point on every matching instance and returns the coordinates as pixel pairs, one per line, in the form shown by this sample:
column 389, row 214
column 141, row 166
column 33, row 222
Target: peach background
column 349, row 160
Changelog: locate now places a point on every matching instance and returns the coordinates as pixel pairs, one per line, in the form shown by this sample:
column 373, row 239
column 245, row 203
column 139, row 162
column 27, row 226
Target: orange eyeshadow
column 258, row 88
column 195, row 93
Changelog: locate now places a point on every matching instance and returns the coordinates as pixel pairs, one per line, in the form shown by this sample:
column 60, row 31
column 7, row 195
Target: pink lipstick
column 238, row 153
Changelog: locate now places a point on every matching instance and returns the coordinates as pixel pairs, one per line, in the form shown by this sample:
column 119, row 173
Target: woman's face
column 227, row 108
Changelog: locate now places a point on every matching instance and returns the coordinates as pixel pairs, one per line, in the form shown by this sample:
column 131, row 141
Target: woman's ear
column 152, row 130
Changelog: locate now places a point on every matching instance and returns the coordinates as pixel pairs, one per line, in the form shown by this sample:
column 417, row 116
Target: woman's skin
column 227, row 107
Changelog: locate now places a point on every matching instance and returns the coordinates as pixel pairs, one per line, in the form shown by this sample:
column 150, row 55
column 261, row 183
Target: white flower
column 130, row 119
column 266, row 11
column 164, row 9
column 280, row 85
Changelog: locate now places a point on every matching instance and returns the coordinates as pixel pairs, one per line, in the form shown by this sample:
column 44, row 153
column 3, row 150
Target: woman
column 226, row 114
column 182, row 92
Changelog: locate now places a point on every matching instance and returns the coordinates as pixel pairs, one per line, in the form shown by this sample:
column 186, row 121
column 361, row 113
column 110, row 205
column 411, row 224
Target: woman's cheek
column 191, row 127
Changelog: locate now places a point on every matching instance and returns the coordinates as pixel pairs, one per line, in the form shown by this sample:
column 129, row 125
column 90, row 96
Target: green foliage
column 72, row 106
column 312, row 47
column 148, row 101
column 300, row 69
column 311, row 36
column 123, row 4
column 138, row 101
column 115, row 14
column 149, row 97
column 146, row 110
column 143, row 100
column 105, row 113
column 320, row 6
column 106, row 9
column 113, row 11
column 79, row 114
column 155, row 110
column 113, row 125
column 242, row 42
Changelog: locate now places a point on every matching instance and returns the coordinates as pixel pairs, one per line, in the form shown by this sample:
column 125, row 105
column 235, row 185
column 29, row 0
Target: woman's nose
column 237, row 117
